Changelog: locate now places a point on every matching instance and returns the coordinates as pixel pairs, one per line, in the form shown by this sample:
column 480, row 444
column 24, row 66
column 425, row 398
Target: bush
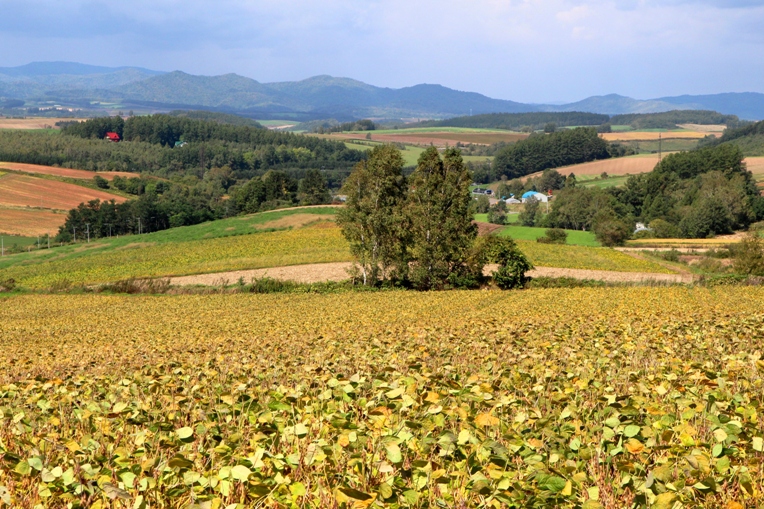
column 512, row 262
column 749, row 256
column 483, row 204
column 611, row 232
column 554, row 236
column 101, row 182
column 662, row 229
column 531, row 213
column 669, row 256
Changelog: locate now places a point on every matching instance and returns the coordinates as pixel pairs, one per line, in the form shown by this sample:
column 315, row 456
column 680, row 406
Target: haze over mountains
column 317, row 97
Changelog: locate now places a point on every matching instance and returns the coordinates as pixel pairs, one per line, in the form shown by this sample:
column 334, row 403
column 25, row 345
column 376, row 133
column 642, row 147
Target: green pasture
column 575, row 237
column 230, row 227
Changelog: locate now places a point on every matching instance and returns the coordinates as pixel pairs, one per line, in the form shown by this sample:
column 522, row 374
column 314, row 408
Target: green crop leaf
column 185, row 434
column 631, row 431
column 240, row 473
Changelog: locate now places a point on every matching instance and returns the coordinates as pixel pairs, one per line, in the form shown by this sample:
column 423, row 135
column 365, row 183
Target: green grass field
column 596, row 181
column 414, row 130
column 575, row 237
column 8, row 241
column 652, row 147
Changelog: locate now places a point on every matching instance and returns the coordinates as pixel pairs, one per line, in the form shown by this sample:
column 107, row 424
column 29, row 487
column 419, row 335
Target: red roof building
column 113, row 137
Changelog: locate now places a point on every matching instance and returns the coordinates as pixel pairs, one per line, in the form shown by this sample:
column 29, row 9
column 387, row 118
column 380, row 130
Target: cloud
column 531, row 50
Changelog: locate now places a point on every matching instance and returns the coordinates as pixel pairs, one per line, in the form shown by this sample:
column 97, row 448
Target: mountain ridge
column 320, row 96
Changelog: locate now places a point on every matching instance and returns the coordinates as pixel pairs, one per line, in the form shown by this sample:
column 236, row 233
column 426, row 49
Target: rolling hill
column 312, row 98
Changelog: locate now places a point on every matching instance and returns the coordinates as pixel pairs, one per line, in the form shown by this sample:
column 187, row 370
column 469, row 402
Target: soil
column 321, row 272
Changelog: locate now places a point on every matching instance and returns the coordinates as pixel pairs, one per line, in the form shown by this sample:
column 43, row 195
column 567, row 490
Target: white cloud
column 516, row 49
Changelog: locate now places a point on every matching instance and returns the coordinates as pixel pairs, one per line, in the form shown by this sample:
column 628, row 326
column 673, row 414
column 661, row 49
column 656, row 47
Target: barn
column 113, row 137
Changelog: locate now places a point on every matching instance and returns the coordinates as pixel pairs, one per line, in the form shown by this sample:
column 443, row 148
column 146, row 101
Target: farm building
column 535, row 195
column 113, row 137
column 512, row 201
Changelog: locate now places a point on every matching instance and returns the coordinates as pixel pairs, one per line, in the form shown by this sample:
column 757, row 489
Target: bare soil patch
column 653, row 136
column 321, row 272
column 27, row 191
column 30, row 222
column 435, row 138
column 64, row 172
column 487, row 228
column 294, row 221
column 33, row 123
column 613, row 167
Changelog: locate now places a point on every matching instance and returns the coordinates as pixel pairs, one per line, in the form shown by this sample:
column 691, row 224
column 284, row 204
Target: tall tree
column 372, row 220
column 438, row 209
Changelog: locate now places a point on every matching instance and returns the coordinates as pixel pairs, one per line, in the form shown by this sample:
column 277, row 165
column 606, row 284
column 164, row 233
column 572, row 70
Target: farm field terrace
column 570, row 398
column 27, row 191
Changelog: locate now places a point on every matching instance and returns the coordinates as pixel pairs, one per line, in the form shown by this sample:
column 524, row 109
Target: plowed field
column 64, row 172
column 26, row 191
column 30, row 222
column 653, row 136
column 32, row 123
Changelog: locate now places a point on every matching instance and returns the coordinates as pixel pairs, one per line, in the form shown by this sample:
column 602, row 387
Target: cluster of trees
column 670, row 119
column 162, row 204
column 358, row 125
column 521, row 121
column 693, row 194
column 249, row 152
column 278, row 189
column 542, row 151
column 749, row 137
column 417, row 231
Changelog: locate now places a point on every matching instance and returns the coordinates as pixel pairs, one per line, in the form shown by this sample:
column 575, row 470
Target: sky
column 523, row 50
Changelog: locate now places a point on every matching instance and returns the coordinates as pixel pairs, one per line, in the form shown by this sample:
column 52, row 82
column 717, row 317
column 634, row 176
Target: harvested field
column 33, row 123
column 30, row 222
column 616, row 166
column 64, row 172
column 26, row 191
column 436, row 138
column 322, row 272
column 653, row 136
column 755, row 165
column 294, row 221
column 704, row 128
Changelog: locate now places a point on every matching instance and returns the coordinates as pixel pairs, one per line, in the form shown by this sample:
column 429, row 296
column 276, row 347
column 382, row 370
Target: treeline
column 518, row 121
column 358, row 125
column 216, row 116
column 693, row 194
column 671, row 119
column 542, row 151
column 160, row 204
column 749, row 138
column 255, row 152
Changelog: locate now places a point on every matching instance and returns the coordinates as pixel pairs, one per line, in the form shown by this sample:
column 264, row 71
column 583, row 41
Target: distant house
column 113, row 137
column 512, row 200
column 536, row 196
column 181, row 143
column 642, row 228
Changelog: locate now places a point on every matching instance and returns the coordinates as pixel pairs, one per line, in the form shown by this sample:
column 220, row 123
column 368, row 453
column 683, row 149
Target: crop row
column 586, row 398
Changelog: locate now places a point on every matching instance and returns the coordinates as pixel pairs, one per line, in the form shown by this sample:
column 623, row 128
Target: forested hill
column 516, row 121
column 749, row 139
column 539, row 120
column 671, row 119
column 151, row 147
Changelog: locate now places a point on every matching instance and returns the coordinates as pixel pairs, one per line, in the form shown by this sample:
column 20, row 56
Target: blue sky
column 523, row 50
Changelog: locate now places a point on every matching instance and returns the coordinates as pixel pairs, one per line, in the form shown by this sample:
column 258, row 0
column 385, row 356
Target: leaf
column 23, row 468
column 758, row 444
column 240, row 473
column 664, row 501
column 720, row 435
column 393, row 453
column 185, row 433
column 35, row 463
column 297, row 489
column 486, row 419
column 115, row 493
column 634, row 446
column 385, row 491
column 591, row 504
column 180, row 462
column 552, row 483
column 300, row 430
column 631, row 430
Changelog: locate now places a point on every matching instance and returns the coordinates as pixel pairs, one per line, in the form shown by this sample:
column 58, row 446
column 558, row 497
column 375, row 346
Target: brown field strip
column 615, row 166
column 30, row 222
column 34, row 123
column 434, row 138
column 652, row 136
column 755, row 165
column 27, row 191
column 64, row 172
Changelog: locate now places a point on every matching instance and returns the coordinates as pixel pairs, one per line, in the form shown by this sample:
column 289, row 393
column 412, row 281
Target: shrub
column 749, row 256
column 101, row 182
column 483, row 204
column 662, row 229
column 612, row 232
column 554, row 236
column 512, row 262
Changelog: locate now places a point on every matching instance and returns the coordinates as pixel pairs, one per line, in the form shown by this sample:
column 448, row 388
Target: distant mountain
column 615, row 104
column 319, row 97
